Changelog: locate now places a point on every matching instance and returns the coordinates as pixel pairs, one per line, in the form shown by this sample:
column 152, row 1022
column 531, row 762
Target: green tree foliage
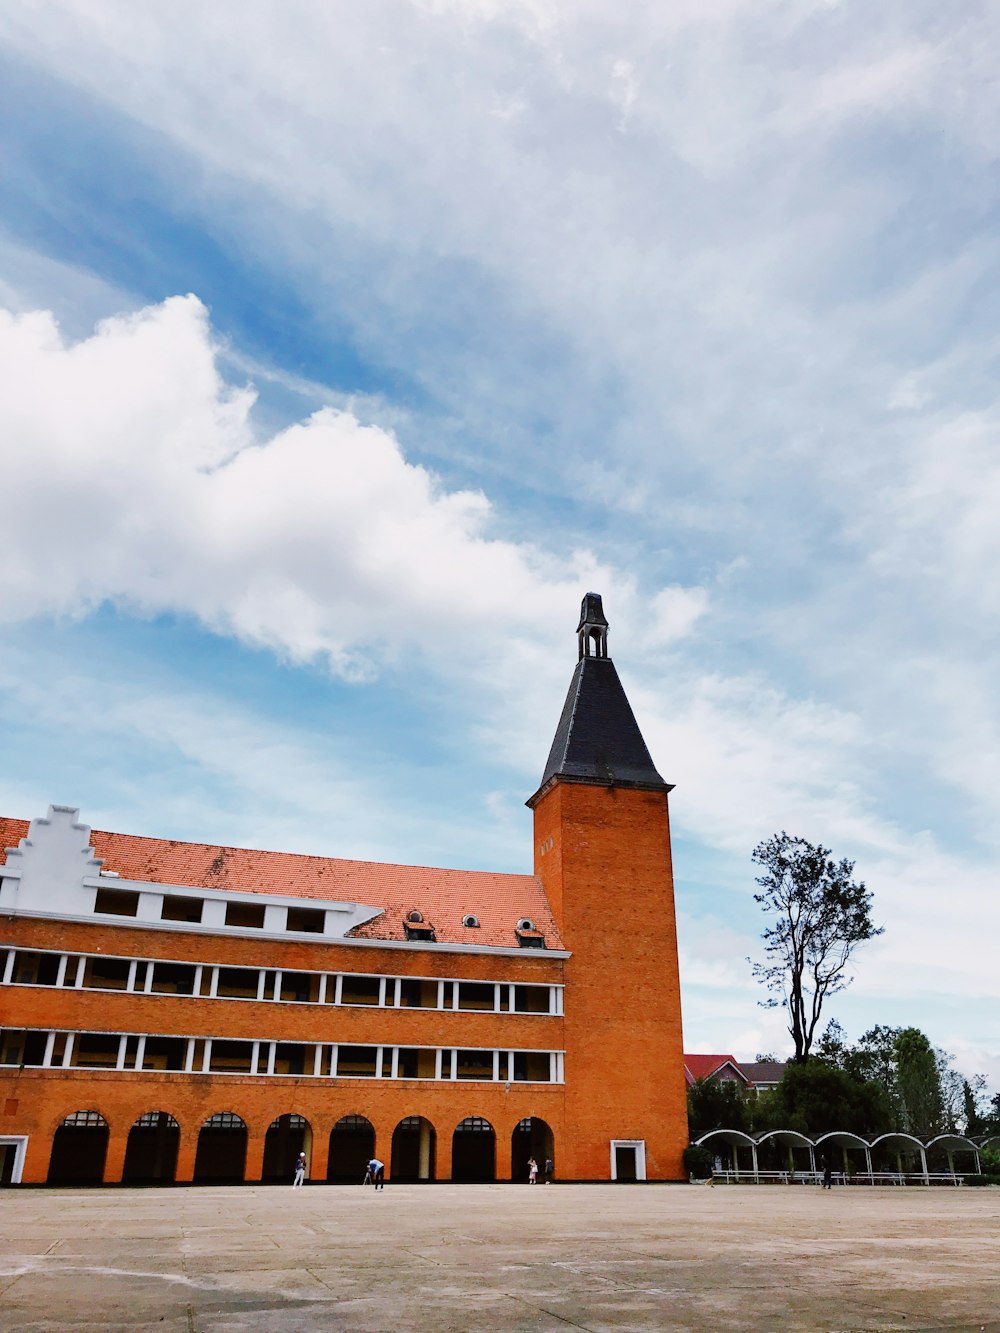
column 815, row 1097
column 926, row 1095
column 971, row 1092
column 818, row 917
column 832, row 1045
column 920, row 1107
column 716, row 1104
column 698, row 1162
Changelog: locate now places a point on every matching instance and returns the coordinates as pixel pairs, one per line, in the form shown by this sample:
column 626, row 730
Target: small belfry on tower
column 592, row 630
column 598, row 739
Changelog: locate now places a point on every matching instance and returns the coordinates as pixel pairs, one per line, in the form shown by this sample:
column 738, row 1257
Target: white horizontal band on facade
column 320, row 1060
column 71, row 968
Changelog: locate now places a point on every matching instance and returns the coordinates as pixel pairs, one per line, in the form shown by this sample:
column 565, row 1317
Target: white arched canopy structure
column 843, row 1142
column 772, row 1155
column 788, row 1140
column 734, row 1140
column 899, row 1143
column 951, row 1144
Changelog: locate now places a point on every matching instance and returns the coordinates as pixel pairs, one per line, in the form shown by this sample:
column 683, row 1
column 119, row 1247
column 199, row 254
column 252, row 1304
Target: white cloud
column 772, row 288
column 140, row 482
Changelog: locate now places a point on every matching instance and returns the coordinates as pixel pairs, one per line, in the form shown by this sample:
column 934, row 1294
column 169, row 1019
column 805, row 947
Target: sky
column 344, row 347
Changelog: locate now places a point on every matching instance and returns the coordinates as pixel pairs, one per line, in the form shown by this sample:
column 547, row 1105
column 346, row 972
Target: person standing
column 532, row 1171
column 376, row 1171
column 300, row 1170
column 550, row 1170
column 827, row 1173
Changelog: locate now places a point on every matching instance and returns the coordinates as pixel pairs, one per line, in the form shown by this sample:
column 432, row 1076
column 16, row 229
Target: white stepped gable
column 48, row 868
column 53, row 872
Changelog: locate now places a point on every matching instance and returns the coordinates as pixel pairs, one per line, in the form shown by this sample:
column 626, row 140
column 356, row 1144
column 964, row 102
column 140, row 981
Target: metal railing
column 729, row 1177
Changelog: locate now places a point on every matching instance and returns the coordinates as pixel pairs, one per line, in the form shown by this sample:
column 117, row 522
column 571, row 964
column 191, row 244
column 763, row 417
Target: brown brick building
column 171, row 1011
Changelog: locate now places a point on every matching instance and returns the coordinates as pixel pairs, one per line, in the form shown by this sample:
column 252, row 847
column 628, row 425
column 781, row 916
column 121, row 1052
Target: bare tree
column 819, row 916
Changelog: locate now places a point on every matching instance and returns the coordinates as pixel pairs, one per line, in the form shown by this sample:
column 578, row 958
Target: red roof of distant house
column 704, row 1066
column 443, row 897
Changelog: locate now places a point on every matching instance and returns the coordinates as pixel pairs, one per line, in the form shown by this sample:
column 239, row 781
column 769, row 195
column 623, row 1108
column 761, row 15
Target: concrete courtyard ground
column 442, row 1258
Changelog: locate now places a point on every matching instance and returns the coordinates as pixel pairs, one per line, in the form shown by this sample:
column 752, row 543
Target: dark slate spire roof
column 598, row 740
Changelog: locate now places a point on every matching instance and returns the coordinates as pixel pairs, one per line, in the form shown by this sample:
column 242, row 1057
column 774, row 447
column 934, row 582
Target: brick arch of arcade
column 312, row 1125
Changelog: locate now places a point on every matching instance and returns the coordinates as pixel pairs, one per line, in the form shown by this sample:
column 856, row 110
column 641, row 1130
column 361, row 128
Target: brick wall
column 603, row 855
column 34, row 1101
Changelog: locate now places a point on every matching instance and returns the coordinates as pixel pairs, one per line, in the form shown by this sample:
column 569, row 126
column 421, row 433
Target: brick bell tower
column 602, row 853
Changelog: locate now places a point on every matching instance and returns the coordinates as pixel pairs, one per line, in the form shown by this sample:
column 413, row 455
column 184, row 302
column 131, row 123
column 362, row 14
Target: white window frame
column 20, row 1142
column 640, row 1156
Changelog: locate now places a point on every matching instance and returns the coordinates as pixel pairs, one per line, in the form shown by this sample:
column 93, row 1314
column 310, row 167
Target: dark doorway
column 626, row 1164
column 8, row 1151
column 531, row 1138
column 285, row 1139
column 151, row 1152
column 474, row 1150
column 79, row 1149
column 414, row 1144
column 221, row 1158
column 352, row 1146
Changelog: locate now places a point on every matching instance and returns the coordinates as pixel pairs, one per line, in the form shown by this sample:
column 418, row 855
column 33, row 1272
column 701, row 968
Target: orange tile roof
column 443, row 897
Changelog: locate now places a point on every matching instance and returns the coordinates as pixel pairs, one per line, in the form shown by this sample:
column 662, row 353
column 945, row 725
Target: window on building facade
column 18, row 1047
column 177, row 907
column 300, row 987
column 96, row 1050
column 238, row 983
column 474, row 1064
column 231, row 1057
column 116, row 902
column 416, row 1063
column 531, row 999
column 476, row 995
column 166, row 1053
column 106, row 973
column 85, row 1120
column 532, row 1067
column 308, row 920
column 35, row 969
column 418, row 993
column 356, row 1062
column 248, row 916
column 359, row 990
column 173, row 979
column 290, row 1057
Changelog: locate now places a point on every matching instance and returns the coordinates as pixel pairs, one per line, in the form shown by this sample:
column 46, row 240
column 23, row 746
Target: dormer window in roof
column 527, row 936
column 417, row 929
column 470, row 920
